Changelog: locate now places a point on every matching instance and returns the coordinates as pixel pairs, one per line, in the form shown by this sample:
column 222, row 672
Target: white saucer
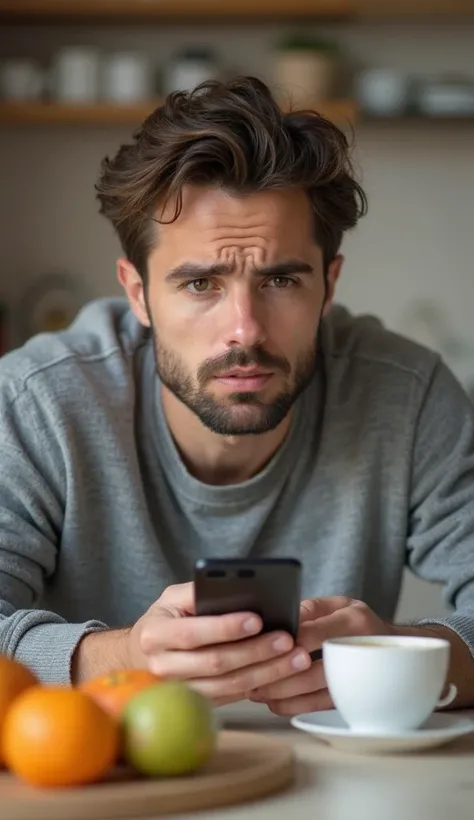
column 440, row 728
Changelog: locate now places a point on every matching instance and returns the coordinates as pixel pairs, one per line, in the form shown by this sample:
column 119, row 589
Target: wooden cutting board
column 245, row 766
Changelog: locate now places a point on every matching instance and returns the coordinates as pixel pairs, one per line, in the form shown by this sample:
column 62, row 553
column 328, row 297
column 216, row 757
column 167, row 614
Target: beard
column 240, row 413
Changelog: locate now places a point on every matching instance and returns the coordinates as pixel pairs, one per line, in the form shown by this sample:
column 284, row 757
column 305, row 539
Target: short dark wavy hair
column 232, row 136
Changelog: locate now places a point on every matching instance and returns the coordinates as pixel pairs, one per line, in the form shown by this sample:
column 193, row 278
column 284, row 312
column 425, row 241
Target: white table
column 330, row 785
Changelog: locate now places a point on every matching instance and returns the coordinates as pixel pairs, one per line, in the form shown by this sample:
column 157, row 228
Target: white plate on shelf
column 439, row 729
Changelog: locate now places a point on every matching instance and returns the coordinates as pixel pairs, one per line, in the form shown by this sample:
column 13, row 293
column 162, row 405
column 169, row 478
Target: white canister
column 126, row 77
column 75, row 75
column 188, row 69
column 446, row 98
column 382, row 91
column 21, row 80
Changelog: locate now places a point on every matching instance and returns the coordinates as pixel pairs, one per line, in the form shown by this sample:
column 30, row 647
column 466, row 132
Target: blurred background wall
column 410, row 261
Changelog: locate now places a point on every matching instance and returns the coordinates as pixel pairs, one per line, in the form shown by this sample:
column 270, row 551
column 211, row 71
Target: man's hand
column 325, row 618
column 320, row 619
column 222, row 656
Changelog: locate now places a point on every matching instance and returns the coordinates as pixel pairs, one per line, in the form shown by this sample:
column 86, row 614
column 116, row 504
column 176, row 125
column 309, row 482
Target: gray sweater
column 98, row 513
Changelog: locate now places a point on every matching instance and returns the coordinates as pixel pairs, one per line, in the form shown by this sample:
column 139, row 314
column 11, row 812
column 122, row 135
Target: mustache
column 241, row 357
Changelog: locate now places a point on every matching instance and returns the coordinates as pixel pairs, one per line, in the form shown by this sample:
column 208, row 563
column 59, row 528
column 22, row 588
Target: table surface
column 331, row 785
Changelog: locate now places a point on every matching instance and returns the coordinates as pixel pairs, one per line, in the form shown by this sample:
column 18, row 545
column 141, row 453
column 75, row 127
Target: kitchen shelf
column 413, row 9
column 176, row 10
column 342, row 112
column 418, row 119
column 141, row 10
column 339, row 111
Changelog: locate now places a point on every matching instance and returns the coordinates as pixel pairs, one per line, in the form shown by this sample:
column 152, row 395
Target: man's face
column 235, row 294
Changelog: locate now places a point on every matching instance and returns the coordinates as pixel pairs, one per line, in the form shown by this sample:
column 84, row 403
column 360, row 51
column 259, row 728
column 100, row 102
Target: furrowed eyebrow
column 189, row 270
column 285, row 268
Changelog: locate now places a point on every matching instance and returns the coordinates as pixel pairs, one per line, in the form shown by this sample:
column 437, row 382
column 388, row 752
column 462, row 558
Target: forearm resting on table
column 98, row 653
column 461, row 667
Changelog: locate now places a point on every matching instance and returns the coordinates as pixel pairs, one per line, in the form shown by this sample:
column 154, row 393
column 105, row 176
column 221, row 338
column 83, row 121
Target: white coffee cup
column 384, row 684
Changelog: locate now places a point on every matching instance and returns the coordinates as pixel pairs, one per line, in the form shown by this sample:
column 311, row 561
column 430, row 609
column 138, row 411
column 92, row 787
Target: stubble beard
column 241, row 413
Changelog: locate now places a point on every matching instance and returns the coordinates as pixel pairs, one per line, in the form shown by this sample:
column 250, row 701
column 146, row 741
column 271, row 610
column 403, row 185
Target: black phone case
column 269, row 587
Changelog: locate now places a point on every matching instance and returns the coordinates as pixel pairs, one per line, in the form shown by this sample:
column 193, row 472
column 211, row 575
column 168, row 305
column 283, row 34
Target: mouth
column 245, row 379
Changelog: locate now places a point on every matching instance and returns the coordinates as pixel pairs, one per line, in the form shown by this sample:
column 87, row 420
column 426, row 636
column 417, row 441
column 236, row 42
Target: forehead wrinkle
column 244, row 243
column 244, row 231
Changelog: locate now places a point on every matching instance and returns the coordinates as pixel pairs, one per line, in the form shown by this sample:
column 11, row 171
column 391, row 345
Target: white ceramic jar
column 126, row 77
column 75, row 75
column 382, row 91
column 188, row 69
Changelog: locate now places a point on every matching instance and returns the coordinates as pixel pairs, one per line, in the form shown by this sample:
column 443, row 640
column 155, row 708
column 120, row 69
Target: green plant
column 303, row 42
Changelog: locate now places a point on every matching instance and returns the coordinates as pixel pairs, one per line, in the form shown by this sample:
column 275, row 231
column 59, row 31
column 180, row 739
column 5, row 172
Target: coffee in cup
column 386, row 684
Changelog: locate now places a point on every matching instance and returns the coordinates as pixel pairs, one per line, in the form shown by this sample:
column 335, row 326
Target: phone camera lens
column 246, row 573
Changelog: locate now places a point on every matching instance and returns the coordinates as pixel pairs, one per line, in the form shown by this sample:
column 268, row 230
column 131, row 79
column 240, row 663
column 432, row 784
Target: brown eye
column 281, row 281
column 200, row 285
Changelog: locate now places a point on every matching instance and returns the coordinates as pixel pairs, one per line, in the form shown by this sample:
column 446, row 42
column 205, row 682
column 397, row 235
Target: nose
column 244, row 320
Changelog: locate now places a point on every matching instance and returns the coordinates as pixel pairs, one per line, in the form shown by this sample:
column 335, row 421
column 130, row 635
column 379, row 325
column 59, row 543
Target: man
column 225, row 408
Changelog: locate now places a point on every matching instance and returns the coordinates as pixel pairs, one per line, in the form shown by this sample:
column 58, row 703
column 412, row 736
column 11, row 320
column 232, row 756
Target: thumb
column 178, row 600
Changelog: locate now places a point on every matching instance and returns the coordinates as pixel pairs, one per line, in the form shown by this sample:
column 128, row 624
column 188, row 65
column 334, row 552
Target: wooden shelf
column 413, row 9
column 172, row 9
column 61, row 114
column 339, row 111
column 417, row 119
column 148, row 10
column 342, row 112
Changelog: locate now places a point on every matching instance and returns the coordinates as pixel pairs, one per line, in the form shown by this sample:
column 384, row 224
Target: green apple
column 168, row 729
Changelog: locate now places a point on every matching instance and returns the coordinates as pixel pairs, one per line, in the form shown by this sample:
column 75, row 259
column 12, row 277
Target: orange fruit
column 14, row 679
column 55, row 736
column 114, row 690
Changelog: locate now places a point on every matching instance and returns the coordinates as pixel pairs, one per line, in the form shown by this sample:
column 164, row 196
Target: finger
column 313, row 608
column 356, row 619
column 220, row 660
column 311, row 680
column 161, row 633
column 221, row 701
column 226, row 700
column 314, row 702
column 251, row 677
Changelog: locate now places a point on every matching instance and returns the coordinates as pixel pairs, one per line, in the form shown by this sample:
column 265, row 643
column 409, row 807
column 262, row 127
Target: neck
column 216, row 459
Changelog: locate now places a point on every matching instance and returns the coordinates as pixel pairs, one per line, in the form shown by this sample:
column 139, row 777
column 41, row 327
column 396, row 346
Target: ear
column 334, row 271
column 132, row 284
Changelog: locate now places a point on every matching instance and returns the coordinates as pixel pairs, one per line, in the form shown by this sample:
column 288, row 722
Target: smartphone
column 270, row 587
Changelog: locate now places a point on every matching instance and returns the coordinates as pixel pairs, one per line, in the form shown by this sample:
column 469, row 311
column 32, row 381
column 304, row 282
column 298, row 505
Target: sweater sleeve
column 441, row 517
column 31, row 518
